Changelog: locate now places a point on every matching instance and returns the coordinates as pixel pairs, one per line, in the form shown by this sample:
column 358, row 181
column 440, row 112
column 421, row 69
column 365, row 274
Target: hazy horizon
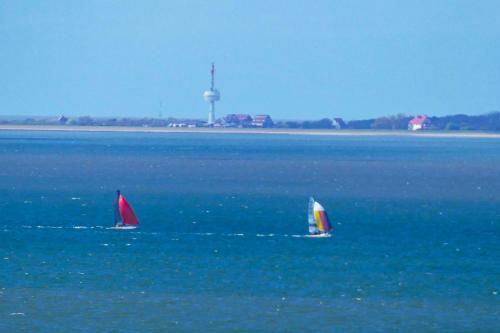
column 348, row 59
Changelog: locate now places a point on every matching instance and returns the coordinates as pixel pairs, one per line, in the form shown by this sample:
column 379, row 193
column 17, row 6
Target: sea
column 221, row 246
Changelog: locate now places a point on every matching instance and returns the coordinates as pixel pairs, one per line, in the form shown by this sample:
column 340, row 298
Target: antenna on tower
column 212, row 72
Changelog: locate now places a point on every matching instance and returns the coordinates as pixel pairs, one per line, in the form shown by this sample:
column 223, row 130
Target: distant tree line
column 324, row 123
column 89, row 121
column 133, row 122
column 399, row 121
column 485, row 122
column 460, row 122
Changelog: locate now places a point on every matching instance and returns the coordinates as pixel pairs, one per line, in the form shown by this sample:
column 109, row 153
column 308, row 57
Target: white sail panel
column 313, row 226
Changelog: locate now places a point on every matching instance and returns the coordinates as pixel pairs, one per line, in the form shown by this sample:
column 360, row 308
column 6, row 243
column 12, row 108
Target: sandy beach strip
column 277, row 131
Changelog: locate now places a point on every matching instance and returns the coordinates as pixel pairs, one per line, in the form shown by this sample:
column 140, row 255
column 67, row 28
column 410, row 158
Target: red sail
column 127, row 212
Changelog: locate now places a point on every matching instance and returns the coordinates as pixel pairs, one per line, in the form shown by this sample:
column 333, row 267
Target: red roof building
column 419, row 123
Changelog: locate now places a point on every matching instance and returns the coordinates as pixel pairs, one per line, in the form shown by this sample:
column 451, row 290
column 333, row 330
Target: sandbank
column 278, row 131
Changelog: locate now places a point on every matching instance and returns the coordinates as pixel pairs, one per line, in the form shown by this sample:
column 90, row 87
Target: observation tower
column 211, row 96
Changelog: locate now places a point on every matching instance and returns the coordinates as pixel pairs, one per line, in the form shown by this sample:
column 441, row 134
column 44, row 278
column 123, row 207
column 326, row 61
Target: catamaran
column 124, row 215
column 319, row 224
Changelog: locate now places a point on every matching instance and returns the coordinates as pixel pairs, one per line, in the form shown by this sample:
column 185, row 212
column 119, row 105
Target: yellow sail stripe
column 317, row 217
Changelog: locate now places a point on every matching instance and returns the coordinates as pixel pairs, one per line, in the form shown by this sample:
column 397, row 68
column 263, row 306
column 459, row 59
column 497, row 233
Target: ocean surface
column 220, row 248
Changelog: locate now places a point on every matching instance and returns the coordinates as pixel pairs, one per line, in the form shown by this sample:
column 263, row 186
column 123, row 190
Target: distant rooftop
column 418, row 120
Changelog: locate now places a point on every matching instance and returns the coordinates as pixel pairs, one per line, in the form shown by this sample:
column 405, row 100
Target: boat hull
column 319, row 236
column 125, row 227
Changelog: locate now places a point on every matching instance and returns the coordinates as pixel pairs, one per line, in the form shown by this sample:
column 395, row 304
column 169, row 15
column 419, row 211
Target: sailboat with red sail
column 124, row 214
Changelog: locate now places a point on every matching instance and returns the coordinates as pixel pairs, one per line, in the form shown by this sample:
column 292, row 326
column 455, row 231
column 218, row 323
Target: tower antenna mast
column 212, row 72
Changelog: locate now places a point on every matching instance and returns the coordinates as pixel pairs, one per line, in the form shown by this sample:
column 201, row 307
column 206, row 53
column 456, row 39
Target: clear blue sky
column 291, row 59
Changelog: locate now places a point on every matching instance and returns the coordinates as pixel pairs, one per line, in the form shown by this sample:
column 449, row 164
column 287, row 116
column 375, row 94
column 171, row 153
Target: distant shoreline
column 276, row 131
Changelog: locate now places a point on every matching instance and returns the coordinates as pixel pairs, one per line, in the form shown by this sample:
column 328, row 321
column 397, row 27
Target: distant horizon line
column 12, row 116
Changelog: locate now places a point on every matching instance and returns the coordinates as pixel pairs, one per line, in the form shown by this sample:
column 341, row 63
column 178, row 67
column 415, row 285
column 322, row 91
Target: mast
column 118, row 217
column 212, row 72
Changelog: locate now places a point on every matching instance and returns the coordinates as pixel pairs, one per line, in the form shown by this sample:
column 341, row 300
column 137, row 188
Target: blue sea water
column 221, row 249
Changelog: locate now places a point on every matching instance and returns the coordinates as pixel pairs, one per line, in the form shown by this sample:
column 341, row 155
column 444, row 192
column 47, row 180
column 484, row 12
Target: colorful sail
column 321, row 218
column 313, row 226
column 124, row 214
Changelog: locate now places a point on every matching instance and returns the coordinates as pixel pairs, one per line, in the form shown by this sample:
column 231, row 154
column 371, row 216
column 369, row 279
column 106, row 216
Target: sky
column 290, row 59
